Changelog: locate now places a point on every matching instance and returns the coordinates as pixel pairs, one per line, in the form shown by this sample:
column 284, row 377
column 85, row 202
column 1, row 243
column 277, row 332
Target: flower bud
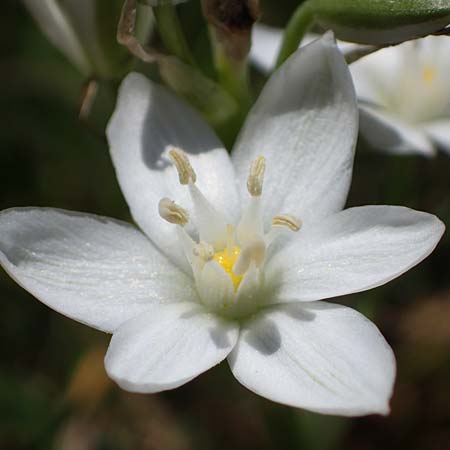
column 381, row 21
column 231, row 23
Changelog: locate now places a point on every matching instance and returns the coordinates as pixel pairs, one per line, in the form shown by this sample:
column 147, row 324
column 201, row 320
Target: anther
column 181, row 161
column 204, row 250
column 288, row 221
column 256, row 176
column 172, row 212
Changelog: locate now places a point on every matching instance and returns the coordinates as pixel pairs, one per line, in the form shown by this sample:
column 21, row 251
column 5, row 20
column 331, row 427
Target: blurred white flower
column 403, row 91
column 236, row 267
column 404, row 94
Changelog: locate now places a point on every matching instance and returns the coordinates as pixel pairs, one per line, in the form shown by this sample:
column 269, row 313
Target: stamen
column 204, row 251
column 256, row 176
column 254, row 252
column 286, row 220
column 181, row 161
column 172, row 212
column 211, row 224
column 230, row 239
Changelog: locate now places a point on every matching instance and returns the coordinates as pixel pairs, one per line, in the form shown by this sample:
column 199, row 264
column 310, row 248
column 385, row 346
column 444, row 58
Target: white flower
column 404, row 94
column 403, row 91
column 272, row 214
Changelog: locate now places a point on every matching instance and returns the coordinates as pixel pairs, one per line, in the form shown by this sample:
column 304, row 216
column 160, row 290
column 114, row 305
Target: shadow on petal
column 220, row 339
column 300, row 312
column 264, row 337
column 171, row 123
column 219, row 334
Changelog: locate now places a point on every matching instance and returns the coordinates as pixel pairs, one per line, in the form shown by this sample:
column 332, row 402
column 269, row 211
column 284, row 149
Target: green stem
column 171, row 33
column 233, row 77
column 299, row 24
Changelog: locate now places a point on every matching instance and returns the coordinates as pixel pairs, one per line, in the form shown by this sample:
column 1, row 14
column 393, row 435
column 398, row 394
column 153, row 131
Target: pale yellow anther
column 256, row 176
column 287, row 221
column 204, row 251
column 181, row 161
column 172, row 212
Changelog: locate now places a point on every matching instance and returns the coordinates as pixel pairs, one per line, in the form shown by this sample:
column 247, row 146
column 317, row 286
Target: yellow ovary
column 429, row 74
column 227, row 260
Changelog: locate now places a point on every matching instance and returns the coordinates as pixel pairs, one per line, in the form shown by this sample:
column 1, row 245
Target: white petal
column 93, row 269
column 354, row 250
column 377, row 75
column 390, row 134
column 439, row 132
column 305, row 124
column 148, row 121
column 168, row 346
column 323, row 357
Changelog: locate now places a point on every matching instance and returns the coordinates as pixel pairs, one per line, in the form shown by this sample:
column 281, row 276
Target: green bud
column 381, row 21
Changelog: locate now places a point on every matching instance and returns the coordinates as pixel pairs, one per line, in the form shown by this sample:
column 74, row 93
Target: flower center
column 429, row 74
column 227, row 260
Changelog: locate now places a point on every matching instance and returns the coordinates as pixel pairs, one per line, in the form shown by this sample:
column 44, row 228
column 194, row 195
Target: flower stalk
column 230, row 24
column 171, row 33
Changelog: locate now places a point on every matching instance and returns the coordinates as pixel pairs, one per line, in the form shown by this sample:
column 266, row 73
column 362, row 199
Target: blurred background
column 54, row 393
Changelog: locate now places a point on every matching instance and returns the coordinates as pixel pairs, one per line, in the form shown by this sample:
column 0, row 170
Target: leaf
column 382, row 21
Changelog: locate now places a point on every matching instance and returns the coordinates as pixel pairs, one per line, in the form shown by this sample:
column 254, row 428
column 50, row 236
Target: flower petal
column 354, row 250
column 319, row 356
column 93, row 269
column 376, row 75
column 148, row 122
column 168, row 346
column 409, row 80
column 439, row 132
column 305, row 124
column 390, row 134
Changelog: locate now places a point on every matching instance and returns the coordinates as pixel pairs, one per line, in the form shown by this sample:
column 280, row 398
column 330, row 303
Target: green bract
column 381, row 21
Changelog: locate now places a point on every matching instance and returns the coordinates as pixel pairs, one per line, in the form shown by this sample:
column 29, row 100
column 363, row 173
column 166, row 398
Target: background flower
column 403, row 91
column 404, row 94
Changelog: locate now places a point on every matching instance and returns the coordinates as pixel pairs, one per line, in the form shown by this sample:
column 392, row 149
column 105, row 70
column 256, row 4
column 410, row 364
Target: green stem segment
column 171, row 33
column 297, row 27
column 233, row 76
